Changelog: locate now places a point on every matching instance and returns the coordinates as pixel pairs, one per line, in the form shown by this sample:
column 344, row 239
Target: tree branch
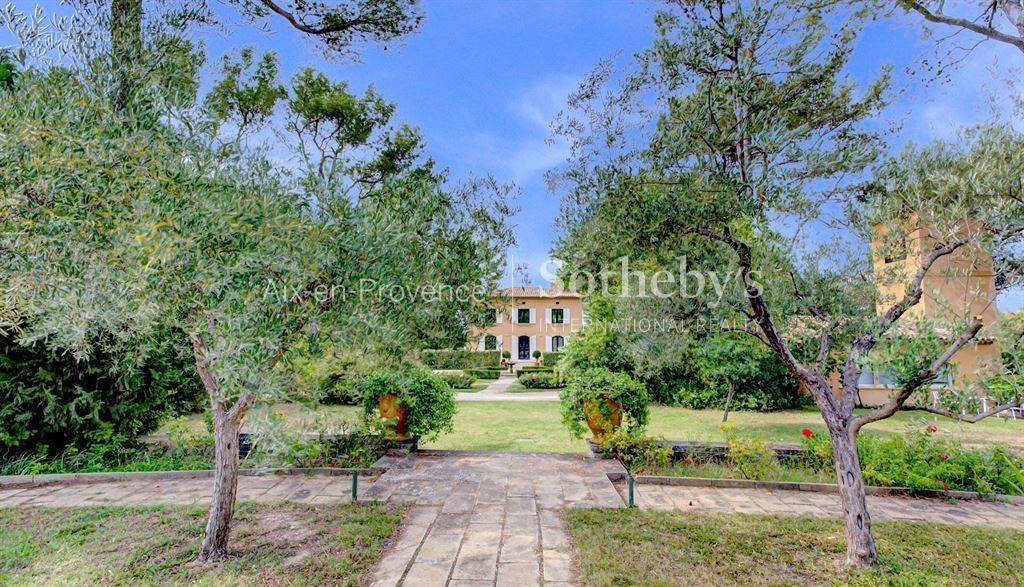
column 337, row 27
column 924, row 376
column 987, row 31
column 963, row 418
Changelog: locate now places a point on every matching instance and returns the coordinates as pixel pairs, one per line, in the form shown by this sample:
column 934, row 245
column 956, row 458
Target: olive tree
column 741, row 139
column 124, row 219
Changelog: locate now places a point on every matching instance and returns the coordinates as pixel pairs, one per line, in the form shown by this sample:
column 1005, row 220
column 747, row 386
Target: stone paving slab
column 487, row 519
column 271, row 488
column 764, row 501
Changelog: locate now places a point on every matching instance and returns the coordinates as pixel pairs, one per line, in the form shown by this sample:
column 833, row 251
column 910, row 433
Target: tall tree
column 121, row 222
column 738, row 137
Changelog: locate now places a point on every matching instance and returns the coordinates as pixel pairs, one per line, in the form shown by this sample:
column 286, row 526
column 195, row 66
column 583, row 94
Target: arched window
column 557, row 342
column 490, row 342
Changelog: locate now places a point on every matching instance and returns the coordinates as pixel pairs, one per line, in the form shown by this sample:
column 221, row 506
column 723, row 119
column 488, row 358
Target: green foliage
column 356, row 445
column 506, row 354
column 552, row 358
column 751, row 456
column 536, row 354
column 922, row 459
column 458, row 380
column 541, row 380
column 248, row 91
column 592, row 386
column 459, row 359
column 429, row 401
column 596, row 345
column 534, row 369
column 484, row 373
column 49, row 401
column 8, row 72
column 761, row 382
column 637, row 453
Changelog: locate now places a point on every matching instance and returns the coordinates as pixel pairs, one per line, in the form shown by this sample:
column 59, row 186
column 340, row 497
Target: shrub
column 484, row 373
column 750, row 456
column 637, row 453
column 541, row 380
column 922, row 460
column 506, row 354
column 597, row 345
column 457, row 380
column 429, row 401
column 534, row 369
column 761, row 382
column 460, row 359
column 536, row 354
column 354, row 445
column 50, row 402
column 599, row 384
column 552, row 358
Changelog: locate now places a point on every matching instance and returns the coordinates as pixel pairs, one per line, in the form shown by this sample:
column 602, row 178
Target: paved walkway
column 497, row 391
column 763, row 501
column 264, row 489
column 487, row 519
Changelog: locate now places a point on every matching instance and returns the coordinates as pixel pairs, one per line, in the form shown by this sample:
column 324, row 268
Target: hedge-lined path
column 777, row 502
column 497, row 390
column 488, row 518
column 259, row 488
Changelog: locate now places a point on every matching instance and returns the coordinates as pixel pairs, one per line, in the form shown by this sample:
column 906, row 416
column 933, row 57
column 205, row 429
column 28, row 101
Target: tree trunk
column 860, row 538
column 728, row 402
column 222, row 506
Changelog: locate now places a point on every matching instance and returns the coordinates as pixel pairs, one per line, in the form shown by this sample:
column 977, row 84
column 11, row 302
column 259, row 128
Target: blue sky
column 483, row 79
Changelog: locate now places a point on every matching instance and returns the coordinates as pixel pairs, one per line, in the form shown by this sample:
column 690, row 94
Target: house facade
column 957, row 286
column 529, row 319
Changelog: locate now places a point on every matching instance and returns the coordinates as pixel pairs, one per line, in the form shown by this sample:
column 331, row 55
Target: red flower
column 945, row 485
column 932, row 428
column 807, row 432
column 943, row 456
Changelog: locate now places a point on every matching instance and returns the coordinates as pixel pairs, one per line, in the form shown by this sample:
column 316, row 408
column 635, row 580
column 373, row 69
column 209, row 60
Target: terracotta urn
column 393, row 410
column 597, row 421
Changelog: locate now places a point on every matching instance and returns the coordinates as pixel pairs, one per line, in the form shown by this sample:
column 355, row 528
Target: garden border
column 725, row 483
column 25, row 481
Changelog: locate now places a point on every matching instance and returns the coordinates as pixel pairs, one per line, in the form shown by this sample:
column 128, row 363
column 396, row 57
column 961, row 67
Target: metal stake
column 355, row 486
column 629, row 482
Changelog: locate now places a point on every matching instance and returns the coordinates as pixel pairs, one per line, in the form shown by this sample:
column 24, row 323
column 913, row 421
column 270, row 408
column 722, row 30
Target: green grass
column 537, row 426
column 280, row 544
column 630, row 547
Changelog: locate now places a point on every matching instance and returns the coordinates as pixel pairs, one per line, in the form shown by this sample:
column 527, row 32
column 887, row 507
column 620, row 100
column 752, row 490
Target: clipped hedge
column 460, row 359
column 484, row 373
column 534, row 369
column 457, row 380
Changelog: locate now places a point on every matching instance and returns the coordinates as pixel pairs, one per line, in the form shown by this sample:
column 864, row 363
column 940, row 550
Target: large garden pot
column 392, row 409
column 601, row 421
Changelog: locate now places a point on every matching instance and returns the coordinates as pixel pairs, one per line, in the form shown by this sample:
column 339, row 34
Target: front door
column 524, row 348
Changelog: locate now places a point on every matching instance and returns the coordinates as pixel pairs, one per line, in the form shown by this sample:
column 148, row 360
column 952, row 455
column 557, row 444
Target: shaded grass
column 280, row 544
column 475, row 387
column 630, row 547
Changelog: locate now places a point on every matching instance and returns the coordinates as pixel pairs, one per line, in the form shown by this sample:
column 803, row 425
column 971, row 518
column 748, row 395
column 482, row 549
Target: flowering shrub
column 923, row 460
column 541, row 380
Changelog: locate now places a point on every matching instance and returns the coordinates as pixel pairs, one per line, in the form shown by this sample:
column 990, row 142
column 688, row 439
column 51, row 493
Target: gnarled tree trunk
column 860, row 538
column 222, row 506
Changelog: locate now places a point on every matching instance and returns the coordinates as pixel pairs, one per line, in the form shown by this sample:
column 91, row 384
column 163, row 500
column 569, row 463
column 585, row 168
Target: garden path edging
column 819, row 488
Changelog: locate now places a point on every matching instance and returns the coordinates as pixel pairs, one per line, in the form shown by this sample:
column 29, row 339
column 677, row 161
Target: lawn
column 475, row 387
column 630, row 547
column 536, row 426
column 281, row 544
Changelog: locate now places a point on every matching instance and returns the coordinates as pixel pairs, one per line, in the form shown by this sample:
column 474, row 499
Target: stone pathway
column 264, row 488
column 488, row 519
column 763, row 501
column 497, row 390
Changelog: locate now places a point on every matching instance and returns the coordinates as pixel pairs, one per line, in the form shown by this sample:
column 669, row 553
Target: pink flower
column 932, row 428
column 808, row 433
column 943, row 456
